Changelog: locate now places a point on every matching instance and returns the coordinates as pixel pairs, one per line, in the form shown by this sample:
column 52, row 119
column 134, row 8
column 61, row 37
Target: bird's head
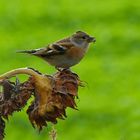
column 82, row 39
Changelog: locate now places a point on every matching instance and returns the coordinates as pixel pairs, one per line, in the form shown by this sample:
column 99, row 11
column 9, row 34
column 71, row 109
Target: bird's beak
column 91, row 39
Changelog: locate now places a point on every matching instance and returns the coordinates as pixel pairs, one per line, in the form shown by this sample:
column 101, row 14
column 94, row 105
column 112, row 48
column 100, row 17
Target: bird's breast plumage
column 76, row 53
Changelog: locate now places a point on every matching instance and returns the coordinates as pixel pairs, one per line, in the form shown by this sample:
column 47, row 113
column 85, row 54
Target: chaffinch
column 65, row 53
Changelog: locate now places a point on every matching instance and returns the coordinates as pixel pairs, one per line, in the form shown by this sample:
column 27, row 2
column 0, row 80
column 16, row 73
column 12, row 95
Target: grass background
column 109, row 105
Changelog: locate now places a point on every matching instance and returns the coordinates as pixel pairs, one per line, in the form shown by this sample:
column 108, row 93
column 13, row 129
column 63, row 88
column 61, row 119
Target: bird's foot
column 62, row 69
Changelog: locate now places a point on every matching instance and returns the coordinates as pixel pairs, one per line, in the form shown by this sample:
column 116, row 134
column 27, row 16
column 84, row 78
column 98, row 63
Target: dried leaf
column 7, row 89
column 13, row 99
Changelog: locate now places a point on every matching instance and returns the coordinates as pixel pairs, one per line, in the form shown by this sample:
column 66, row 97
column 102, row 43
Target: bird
column 66, row 52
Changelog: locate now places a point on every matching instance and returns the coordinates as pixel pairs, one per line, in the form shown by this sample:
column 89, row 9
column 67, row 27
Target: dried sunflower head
column 53, row 97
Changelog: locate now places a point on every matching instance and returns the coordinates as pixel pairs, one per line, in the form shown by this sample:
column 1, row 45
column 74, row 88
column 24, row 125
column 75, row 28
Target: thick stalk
column 18, row 71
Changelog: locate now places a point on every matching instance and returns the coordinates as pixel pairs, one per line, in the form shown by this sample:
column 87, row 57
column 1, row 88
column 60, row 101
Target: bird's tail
column 27, row 51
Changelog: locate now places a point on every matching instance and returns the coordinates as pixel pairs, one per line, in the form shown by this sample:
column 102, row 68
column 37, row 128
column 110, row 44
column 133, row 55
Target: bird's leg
column 62, row 69
column 59, row 69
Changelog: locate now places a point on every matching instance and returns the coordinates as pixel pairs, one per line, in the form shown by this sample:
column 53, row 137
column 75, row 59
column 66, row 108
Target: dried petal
column 66, row 82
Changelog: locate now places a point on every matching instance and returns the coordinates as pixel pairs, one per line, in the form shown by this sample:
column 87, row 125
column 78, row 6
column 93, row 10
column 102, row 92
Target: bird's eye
column 83, row 37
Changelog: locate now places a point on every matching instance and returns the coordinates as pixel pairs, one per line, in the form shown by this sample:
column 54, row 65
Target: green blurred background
column 109, row 105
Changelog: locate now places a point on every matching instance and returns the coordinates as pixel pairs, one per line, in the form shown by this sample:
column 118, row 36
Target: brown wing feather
column 65, row 43
column 58, row 48
column 51, row 50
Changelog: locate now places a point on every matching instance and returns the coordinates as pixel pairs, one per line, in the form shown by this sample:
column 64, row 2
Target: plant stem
column 18, row 71
column 53, row 133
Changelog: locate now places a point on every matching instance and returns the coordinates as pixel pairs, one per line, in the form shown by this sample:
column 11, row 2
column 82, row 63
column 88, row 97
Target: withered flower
column 52, row 99
column 52, row 95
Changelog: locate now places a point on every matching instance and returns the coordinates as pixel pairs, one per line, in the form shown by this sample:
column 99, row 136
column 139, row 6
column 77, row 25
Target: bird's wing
column 57, row 48
column 52, row 49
